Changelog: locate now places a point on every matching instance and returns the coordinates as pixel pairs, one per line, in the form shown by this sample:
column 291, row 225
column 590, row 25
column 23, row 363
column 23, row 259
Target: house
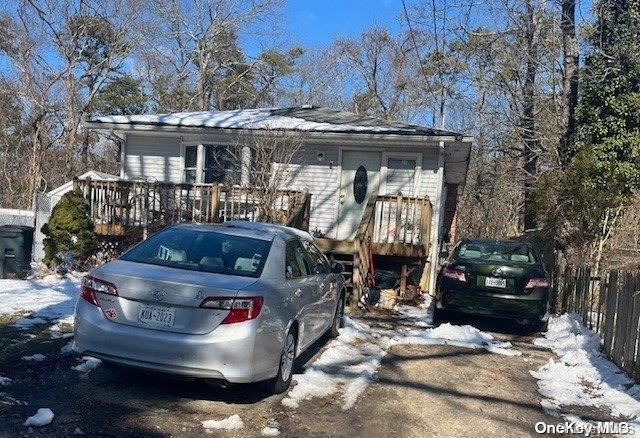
column 376, row 189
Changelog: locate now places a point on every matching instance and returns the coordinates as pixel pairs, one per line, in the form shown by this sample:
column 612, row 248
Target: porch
column 394, row 227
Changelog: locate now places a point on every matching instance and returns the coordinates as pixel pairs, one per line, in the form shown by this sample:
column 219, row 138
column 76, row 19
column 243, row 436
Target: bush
column 69, row 229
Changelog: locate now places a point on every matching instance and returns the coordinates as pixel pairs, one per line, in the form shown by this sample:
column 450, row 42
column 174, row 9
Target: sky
column 318, row 22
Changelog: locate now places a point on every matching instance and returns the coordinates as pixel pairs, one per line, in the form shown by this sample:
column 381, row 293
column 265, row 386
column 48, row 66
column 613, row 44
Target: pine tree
column 608, row 116
column 69, row 229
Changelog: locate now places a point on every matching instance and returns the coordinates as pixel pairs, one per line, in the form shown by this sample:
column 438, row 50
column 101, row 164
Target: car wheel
column 282, row 381
column 338, row 319
column 439, row 316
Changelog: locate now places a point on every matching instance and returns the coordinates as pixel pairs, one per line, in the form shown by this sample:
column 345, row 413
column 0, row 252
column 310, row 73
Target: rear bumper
column 237, row 353
column 469, row 301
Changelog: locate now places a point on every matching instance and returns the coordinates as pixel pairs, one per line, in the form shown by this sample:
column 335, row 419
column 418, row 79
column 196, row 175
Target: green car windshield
column 496, row 252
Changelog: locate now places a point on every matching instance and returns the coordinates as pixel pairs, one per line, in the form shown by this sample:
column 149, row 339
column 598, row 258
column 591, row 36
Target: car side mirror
column 337, row 268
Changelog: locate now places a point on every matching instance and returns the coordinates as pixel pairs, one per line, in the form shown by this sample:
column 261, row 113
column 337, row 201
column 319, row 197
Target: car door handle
column 298, row 293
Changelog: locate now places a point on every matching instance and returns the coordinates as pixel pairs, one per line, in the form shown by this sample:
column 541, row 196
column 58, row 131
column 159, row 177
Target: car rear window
column 497, row 252
column 207, row 251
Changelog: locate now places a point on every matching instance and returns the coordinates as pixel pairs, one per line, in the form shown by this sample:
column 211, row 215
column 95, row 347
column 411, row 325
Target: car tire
column 338, row 319
column 282, row 381
column 439, row 316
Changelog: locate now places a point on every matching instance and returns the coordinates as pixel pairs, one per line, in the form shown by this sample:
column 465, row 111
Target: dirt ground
column 418, row 391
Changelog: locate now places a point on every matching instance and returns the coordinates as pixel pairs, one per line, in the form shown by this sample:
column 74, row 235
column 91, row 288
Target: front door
column 360, row 179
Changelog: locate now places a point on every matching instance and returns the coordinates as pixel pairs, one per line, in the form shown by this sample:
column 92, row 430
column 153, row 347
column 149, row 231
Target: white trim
column 123, row 157
column 438, row 209
column 385, row 169
column 183, row 155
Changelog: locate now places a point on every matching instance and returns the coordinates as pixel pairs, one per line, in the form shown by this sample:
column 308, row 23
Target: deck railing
column 390, row 225
column 116, row 206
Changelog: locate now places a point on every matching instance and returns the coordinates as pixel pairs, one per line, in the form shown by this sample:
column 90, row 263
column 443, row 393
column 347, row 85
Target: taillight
column 455, row 274
column 240, row 309
column 538, row 282
column 91, row 285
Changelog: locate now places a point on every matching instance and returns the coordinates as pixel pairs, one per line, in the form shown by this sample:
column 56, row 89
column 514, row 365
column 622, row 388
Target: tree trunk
column 571, row 57
column 529, row 134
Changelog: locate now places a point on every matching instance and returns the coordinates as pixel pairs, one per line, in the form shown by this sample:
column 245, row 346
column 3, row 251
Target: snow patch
column 350, row 361
column 43, row 417
column 52, row 298
column 89, row 364
column 35, row 357
column 270, row 431
column 67, row 348
column 4, row 381
column 231, row 423
column 583, row 376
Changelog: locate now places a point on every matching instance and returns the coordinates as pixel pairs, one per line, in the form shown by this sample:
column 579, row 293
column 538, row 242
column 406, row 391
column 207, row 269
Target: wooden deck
column 118, row 207
column 393, row 226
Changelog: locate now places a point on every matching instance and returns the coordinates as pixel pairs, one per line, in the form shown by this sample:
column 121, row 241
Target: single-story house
column 345, row 161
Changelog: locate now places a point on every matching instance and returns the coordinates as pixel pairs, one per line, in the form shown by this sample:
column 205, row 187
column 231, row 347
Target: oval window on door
column 360, row 185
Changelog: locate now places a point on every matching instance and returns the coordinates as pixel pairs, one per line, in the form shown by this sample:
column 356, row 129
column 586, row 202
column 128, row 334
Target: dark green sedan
column 503, row 279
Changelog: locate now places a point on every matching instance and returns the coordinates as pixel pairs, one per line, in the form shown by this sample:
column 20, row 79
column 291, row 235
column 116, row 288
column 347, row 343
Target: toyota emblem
column 159, row 295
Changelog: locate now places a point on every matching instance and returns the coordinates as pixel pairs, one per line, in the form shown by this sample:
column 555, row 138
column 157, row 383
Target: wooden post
column 396, row 237
column 403, row 280
column 215, row 203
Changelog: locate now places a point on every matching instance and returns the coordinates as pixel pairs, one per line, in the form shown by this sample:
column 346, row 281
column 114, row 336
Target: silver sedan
column 235, row 302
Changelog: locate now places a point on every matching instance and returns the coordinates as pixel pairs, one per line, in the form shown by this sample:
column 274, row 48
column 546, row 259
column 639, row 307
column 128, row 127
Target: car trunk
column 164, row 298
column 497, row 277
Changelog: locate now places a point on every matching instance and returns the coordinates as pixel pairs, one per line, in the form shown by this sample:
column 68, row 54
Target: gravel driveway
column 419, row 390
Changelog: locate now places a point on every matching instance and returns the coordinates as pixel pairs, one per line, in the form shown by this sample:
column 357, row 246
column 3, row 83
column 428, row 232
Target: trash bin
column 16, row 242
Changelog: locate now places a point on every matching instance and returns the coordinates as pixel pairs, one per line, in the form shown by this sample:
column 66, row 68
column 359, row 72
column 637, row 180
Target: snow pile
column 51, row 298
column 43, row 417
column 89, row 364
column 350, row 361
column 4, row 381
column 460, row 336
column 35, row 357
column 582, row 376
column 230, row 423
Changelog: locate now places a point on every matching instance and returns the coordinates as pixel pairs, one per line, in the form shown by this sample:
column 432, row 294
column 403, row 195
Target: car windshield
column 497, row 252
column 206, row 250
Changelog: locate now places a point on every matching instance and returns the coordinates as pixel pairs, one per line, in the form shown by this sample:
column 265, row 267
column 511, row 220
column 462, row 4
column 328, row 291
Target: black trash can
column 16, row 242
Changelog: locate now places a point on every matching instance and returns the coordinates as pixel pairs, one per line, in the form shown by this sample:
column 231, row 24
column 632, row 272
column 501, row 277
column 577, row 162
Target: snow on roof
column 303, row 118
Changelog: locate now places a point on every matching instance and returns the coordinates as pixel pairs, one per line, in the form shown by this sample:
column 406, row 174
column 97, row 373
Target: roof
column 302, row 118
column 93, row 174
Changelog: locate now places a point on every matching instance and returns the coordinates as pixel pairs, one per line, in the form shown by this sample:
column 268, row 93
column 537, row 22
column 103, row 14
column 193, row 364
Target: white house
column 343, row 159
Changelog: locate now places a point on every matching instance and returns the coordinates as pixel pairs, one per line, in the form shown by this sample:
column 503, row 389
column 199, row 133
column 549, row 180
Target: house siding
column 155, row 157
column 323, row 181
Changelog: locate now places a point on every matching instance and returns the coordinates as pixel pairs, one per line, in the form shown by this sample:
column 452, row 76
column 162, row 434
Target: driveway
column 417, row 390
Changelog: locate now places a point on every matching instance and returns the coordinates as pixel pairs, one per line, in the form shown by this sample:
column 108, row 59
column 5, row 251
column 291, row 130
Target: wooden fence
column 609, row 305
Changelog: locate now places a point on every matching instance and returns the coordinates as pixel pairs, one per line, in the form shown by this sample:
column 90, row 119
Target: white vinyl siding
column 322, row 178
column 154, row 157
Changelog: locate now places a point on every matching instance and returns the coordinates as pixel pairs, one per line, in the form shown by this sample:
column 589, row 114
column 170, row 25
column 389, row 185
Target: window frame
column 288, row 244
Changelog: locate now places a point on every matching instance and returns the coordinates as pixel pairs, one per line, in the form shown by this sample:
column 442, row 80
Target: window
column 216, row 165
column 515, row 253
column 401, row 174
column 360, row 184
column 318, row 262
column 190, row 163
column 296, row 260
column 207, row 251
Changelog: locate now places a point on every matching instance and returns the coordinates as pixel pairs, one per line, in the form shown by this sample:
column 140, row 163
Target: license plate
column 158, row 316
column 495, row 282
